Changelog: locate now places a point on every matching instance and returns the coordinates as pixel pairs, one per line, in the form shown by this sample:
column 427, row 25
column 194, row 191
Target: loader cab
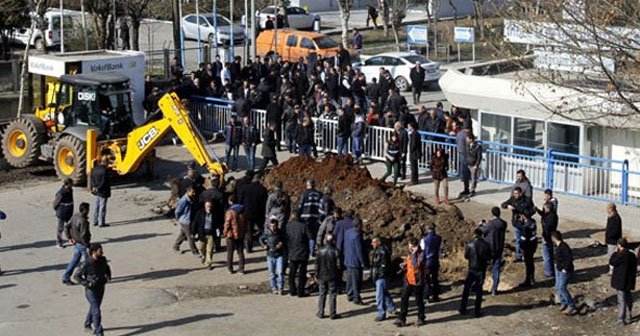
column 100, row 100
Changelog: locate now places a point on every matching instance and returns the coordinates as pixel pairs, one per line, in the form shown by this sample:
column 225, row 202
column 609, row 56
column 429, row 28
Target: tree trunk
column 455, row 13
column 135, row 34
column 396, row 36
column 345, row 13
column 478, row 18
column 25, row 60
column 283, row 11
column 384, row 13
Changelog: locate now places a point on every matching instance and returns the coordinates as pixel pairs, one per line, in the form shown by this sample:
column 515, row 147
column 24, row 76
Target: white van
column 51, row 36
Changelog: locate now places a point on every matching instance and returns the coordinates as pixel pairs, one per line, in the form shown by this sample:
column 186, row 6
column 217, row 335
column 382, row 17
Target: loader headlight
column 61, row 118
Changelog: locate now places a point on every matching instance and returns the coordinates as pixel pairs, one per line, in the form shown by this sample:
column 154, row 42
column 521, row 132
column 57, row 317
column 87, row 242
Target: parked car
column 299, row 18
column 293, row 44
column 50, row 38
column 223, row 36
column 399, row 65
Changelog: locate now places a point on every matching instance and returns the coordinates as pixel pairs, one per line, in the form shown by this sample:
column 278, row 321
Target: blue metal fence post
column 625, row 182
column 550, row 170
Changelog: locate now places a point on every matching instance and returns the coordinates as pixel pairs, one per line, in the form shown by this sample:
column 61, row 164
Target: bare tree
column 13, row 14
column 455, row 12
column 588, row 50
column 136, row 10
column 478, row 18
column 101, row 13
column 345, row 14
column 384, row 14
column 397, row 13
column 36, row 6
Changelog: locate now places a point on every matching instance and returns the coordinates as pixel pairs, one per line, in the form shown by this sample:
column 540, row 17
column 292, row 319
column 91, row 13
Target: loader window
column 85, row 106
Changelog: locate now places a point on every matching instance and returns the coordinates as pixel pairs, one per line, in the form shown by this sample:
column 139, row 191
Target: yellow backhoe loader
column 89, row 116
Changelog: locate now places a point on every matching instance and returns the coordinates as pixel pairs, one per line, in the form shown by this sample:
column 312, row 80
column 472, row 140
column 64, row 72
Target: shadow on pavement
column 7, row 286
column 153, row 275
column 139, row 220
column 134, row 237
column 47, row 268
column 40, row 244
column 148, row 328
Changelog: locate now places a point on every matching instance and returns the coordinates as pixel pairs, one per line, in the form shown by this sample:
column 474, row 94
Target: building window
column 528, row 133
column 496, row 128
column 563, row 138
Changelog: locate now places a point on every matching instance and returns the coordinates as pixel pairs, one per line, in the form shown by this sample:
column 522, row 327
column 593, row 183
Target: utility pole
column 84, row 27
column 61, row 29
column 245, row 47
column 175, row 11
column 254, row 26
column 231, row 51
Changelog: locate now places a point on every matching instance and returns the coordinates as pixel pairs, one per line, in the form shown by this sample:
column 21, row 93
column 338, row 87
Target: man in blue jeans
column 273, row 238
column 494, row 232
column 520, row 205
column 77, row 231
column 101, row 188
column 380, row 275
column 93, row 275
column 343, row 133
column 564, row 270
column 549, row 224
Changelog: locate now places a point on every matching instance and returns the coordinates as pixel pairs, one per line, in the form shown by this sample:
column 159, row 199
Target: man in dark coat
column 298, row 237
column 415, row 152
column 328, row 275
column 623, row 279
column 403, row 138
column 274, row 115
column 478, row 254
column 354, row 262
column 205, row 227
column 563, row 259
column 79, row 235
column 417, row 80
column 519, row 205
column 254, row 198
column 494, row 231
column 94, row 275
column 549, row 220
column 269, row 146
column 63, row 206
column 613, row 230
column 101, row 189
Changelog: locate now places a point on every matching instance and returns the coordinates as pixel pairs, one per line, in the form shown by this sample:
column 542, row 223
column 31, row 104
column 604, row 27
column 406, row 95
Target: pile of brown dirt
column 387, row 211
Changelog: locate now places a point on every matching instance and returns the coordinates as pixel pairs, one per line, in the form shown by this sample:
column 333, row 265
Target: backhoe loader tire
column 21, row 141
column 70, row 159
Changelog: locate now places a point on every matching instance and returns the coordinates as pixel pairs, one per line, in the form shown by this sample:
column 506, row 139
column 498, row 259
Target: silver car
column 399, row 65
column 298, row 17
column 223, row 36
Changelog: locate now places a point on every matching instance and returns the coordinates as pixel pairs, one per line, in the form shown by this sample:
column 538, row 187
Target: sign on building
column 417, row 34
column 464, row 35
column 571, row 62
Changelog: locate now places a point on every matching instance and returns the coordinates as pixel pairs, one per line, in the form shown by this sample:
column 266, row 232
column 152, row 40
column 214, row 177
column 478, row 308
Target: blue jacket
column 339, row 230
column 183, row 210
column 233, row 134
column 432, row 245
column 353, row 253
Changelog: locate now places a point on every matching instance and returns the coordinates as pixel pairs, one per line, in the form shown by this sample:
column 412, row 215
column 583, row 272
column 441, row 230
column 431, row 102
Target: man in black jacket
column 250, row 140
column 563, row 258
column 613, row 231
column 79, row 235
column 63, row 206
column 311, row 211
column 344, row 132
column 205, row 227
column 373, row 92
column 415, row 152
column 94, row 275
column 328, row 275
column 623, row 279
column 101, row 188
column 403, row 138
column 549, row 219
column 274, row 115
column 214, row 195
column 380, row 273
column 417, row 79
column 519, row 205
column 478, row 253
column 298, row 237
column 254, row 198
column 494, row 231
column 473, row 160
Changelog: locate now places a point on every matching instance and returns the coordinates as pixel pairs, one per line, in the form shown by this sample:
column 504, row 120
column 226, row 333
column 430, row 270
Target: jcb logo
column 146, row 139
column 87, row 96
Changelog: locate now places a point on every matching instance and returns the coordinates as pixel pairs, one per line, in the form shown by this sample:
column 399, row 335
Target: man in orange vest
column 414, row 281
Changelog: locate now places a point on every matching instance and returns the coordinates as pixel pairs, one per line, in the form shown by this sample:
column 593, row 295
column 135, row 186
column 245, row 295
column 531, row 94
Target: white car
column 223, row 36
column 399, row 65
column 51, row 36
column 298, row 17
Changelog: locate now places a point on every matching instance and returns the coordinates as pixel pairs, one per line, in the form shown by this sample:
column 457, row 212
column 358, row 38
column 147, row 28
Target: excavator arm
column 142, row 140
